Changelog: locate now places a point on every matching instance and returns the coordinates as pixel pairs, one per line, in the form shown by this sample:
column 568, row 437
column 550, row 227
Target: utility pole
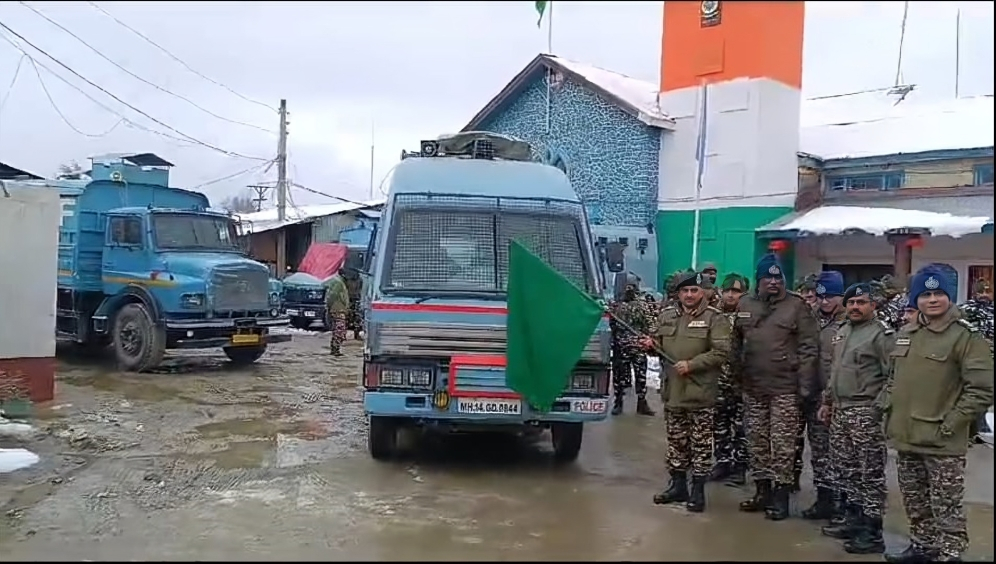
column 261, row 192
column 282, row 191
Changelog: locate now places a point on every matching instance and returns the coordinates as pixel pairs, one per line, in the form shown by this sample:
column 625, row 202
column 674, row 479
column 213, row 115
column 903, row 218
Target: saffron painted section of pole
column 700, row 157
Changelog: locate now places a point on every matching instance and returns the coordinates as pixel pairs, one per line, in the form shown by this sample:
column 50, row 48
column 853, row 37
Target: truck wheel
column 244, row 356
column 139, row 342
column 382, row 437
column 566, row 441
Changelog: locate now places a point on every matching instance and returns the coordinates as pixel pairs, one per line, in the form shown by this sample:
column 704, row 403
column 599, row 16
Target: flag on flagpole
column 540, row 9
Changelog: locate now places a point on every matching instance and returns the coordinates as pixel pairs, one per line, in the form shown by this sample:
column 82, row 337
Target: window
column 190, row 231
column 980, row 280
column 983, row 174
column 467, row 251
column 876, row 181
column 126, row 230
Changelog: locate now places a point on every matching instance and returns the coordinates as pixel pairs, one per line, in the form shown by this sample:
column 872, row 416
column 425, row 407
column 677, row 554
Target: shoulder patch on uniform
column 743, row 314
column 968, row 325
column 714, row 309
column 836, row 338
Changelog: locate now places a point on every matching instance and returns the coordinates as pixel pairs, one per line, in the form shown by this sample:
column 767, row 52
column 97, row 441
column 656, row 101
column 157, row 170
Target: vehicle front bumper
column 419, row 406
column 314, row 312
column 211, row 333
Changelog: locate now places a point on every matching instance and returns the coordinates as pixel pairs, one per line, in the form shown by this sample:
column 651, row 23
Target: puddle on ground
column 136, row 390
column 267, row 442
column 262, row 428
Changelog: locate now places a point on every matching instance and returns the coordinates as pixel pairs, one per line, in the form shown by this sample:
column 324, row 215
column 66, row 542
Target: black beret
column 859, row 289
column 690, row 278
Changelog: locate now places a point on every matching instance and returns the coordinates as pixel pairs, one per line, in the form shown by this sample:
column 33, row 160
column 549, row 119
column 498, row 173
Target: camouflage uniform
column 354, row 317
column 774, row 353
column 942, row 377
column 806, row 286
column 729, row 437
column 700, row 338
column 336, row 307
column 628, row 355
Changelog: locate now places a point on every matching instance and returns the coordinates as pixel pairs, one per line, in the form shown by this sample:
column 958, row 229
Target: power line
column 119, row 100
column 230, row 176
column 137, row 77
column 65, row 119
column 327, row 195
column 13, row 81
column 175, row 58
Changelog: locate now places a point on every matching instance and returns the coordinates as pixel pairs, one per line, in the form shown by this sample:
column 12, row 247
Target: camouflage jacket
column 638, row 314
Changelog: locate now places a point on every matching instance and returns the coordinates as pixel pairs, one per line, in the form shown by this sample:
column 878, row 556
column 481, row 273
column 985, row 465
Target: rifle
column 667, row 363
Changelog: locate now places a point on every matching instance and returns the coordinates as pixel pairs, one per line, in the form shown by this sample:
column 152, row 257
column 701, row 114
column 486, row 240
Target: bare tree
column 239, row 204
column 70, row 171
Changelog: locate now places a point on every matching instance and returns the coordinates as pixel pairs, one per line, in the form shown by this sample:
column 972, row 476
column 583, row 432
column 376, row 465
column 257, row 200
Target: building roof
column 945, row 215
column 638, row 98
column 874, row 124
column 266, row 220
column 8, row 172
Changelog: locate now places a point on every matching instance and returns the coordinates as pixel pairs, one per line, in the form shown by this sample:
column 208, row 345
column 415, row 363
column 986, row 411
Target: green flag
column 540, row 8
column 550, row 321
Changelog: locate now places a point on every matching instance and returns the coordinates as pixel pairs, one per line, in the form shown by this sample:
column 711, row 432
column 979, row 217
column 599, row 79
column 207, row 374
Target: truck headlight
column 583, row 382
column 274, row 298
column 420, row 378
column 392, row 377
column 192, row 301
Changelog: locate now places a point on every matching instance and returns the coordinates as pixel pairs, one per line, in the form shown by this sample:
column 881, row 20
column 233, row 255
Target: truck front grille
column 240, row 289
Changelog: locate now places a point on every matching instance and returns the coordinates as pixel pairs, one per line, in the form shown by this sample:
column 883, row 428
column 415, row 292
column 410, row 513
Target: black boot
column 839, row 509
column 822, row 508
column 848, row 527
column 779, row 509
column 696, row 498
column 721, row 471
column 913, row 554
column 677, row 490
column 794, row 486
column 738, row 476
column 761, row 499
column 617, row 405
column 643, row 408
column 868, row 539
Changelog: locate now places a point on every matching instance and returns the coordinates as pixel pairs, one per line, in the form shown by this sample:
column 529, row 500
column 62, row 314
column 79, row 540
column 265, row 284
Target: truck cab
column 144, row 267
column 436, row 299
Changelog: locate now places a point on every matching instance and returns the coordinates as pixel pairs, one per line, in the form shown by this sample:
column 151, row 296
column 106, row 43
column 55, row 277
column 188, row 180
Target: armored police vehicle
column 145, row 267
column 436, row 301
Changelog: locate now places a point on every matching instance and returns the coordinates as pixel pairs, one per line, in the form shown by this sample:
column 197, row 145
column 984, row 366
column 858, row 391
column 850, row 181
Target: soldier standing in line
column 336, row 307
column 850, row 405
column 830, row 317
column 354, row 320
column 774, row 353
column 806, row 287
column 697, row 337
column 632, row 356
column 942, row 378
column 730, row 442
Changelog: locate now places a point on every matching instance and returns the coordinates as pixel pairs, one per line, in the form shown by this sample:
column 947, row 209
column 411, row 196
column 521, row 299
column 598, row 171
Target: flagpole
column 549, row 29
column 700, row 156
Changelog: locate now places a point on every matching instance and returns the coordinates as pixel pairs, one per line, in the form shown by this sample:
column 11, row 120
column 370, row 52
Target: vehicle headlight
column 392, row 377
column 420, row 378
column 583, row 381
column 274, row 298
column 192, row 301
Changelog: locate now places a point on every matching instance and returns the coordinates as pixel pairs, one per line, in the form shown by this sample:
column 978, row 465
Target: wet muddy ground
column 205, row 462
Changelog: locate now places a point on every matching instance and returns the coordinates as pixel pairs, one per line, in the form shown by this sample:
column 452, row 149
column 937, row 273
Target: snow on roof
column 641, row 95
column 836, row 220
column 266, row 220
column 873, row 124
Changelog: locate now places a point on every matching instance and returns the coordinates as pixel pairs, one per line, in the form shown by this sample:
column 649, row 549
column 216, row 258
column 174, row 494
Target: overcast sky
column 406, row 70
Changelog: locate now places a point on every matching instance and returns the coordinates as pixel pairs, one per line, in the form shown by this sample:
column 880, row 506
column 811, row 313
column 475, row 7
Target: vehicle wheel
column 244, row 356
column 382, row 437
column 300, row 323
column 139, row 342
column 566, row 441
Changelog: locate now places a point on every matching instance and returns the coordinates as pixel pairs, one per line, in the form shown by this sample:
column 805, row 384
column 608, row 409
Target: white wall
column 971, row 250
column 751, row 146
column 29, row 248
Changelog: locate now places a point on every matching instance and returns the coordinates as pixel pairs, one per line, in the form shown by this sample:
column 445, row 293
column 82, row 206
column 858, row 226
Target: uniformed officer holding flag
column 696, row 336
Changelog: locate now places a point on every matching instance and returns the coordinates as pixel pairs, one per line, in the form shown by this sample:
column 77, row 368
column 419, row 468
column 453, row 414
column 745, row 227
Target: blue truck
column 435, row 296
column 144, row 267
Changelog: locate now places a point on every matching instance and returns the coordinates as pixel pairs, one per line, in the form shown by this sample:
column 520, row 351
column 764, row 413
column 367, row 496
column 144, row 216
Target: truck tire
column 382, row 437
column 139, row 342
column 566, row 441
column 244, row 356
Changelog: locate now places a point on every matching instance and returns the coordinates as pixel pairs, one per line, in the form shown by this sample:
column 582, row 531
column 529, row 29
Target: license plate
column 309, row 314
column 292, row 312
column 245, row 339
column 489, row 406
column 589, row 406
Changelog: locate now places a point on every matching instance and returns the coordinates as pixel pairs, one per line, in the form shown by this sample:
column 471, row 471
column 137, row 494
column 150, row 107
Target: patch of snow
column 14, row 430
column 835, row 220
column 640, row 94
column 266, row 220
column 12, row 459
column 987, row 434
column 873, row 124
column 654, row 373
